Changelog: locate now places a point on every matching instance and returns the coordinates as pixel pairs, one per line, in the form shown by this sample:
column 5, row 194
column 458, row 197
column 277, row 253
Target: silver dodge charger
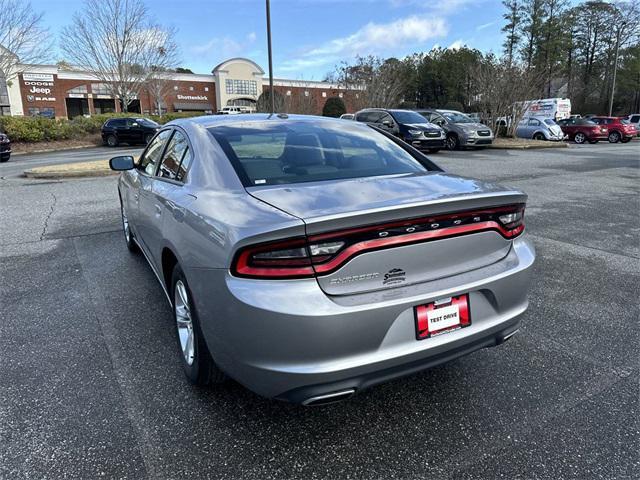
column 309, row 258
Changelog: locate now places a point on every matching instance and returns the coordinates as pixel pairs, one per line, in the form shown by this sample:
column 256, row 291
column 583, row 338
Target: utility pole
column 271, row 92
column 615, row 71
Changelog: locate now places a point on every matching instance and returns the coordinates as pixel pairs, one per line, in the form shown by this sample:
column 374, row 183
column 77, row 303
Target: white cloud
column 485, row 25
column 225, row 47
column 457, row 45
column 372, row 38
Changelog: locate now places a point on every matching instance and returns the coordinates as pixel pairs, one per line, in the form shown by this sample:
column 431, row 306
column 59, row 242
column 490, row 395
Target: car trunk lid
column 425, row 221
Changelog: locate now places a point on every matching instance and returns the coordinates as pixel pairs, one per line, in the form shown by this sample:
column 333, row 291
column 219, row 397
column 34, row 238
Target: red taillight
column 325, row 253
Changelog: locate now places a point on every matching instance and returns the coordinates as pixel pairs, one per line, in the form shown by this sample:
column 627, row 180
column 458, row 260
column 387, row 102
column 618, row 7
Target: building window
column 100, row 89
column 306, row 93
column 241, row 87
column 78, row 89
column 48, row 112
column 206, row 89
column 324, row 94
column 4, row 92
column 288, row 93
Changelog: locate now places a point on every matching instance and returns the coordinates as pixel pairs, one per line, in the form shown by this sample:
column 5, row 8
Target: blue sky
column 311, row 36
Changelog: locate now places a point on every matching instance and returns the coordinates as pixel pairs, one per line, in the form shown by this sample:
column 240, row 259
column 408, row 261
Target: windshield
column 408, row 117
column 147, row 123
column 270, row 153
column 457, row 117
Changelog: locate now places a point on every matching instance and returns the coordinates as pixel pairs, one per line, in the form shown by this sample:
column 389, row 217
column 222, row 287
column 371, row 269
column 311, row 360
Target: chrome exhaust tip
column 508, row 336
column 328, row 398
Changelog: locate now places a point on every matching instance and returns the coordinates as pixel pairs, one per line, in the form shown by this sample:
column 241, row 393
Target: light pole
column 271, row 92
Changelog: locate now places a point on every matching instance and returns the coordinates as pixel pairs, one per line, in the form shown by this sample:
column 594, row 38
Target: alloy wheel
column 184, row 322
column 580, row 137
column 614, row 137
column 125, row 225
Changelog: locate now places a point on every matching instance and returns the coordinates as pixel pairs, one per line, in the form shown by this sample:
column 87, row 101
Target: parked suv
column 5, row 148
column 620, row 129
column 634, row 119
column 539, row 129
column 461, row 130
column 128, row 130
column 407, row 125
column 581, row 130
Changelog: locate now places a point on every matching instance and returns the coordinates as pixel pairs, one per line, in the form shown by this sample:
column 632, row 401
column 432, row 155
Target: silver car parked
column 462, row 130
column 539, row 129
column 309, row 258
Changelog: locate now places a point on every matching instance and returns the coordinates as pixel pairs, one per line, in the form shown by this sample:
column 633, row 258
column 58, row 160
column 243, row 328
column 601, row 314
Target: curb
column 529, row 147
column 69, row 174
column 52, row 150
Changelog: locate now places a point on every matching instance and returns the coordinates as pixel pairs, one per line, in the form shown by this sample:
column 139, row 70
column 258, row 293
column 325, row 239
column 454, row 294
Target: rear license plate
column 442, row 316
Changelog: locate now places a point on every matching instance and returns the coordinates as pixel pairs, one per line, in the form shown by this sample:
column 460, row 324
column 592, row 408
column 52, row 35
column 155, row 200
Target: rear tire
column 539, row 136
column 614, row 137
column 4, row 158
column 580, row 138
column 112, row 141
column 197, row 363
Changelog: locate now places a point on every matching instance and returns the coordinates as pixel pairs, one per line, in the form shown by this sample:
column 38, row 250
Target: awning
column 200, row 107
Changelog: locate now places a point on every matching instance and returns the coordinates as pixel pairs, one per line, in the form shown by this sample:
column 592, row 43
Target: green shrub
column 41, row 129
column 333, row 107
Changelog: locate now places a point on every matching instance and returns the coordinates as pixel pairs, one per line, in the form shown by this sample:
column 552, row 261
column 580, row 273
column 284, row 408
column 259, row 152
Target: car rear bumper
column 287, row 339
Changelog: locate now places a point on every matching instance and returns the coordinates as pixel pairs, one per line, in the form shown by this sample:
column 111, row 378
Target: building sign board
column 37, row 77
column 192, row 97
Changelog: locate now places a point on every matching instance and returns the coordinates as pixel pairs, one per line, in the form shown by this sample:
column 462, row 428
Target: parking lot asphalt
column 91, row 386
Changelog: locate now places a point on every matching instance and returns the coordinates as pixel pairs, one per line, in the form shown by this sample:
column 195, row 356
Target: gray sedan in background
column 309, row 258
column 461, row 129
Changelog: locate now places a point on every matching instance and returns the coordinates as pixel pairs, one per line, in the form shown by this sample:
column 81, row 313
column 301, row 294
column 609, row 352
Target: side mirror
column 134, row 124
column 388, row 123
column 122, row 163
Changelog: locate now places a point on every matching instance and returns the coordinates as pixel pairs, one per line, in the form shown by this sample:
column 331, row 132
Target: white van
column 553, row 108
column 230, row 111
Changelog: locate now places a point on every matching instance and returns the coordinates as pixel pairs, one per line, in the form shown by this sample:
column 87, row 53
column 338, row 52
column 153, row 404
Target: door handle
column 158, row 210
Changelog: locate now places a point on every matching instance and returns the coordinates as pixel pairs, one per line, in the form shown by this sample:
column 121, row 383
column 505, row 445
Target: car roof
column 207, row 121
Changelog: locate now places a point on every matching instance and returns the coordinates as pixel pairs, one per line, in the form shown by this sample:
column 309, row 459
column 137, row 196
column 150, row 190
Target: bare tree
column 504, row 91
column 23, row 39
column 116, row 41
column 158, row 85
column 380, row 83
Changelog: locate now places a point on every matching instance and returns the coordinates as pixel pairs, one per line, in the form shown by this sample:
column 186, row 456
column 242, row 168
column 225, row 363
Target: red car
column 582, row 130
column 620, row 129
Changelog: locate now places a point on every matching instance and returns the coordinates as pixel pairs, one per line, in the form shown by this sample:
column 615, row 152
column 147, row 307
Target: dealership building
column 61, row 92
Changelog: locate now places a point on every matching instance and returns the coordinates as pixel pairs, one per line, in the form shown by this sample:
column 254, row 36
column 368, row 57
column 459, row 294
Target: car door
column 533, row 126
column 148, row 214
column 135, row 131
column 170, row 198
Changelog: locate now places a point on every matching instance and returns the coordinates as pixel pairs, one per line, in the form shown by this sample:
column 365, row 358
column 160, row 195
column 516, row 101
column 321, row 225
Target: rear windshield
column 270, row 153
column 549, row 122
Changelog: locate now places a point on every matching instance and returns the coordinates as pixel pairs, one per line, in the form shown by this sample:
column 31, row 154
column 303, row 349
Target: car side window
column 534, row 123
column 173, row 156
column 635, row 118
column 187, row 156
column 385, row 117
column 152, row 154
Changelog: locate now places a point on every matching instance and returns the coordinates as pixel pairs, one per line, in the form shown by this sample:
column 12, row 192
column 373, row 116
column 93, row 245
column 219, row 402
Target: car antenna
column 271, row 95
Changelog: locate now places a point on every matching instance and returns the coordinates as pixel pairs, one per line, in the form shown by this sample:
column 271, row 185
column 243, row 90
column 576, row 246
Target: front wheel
column 580, row 138
column 196, row 360
column 126, row 229
column 453, row 143
column 614, row 137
